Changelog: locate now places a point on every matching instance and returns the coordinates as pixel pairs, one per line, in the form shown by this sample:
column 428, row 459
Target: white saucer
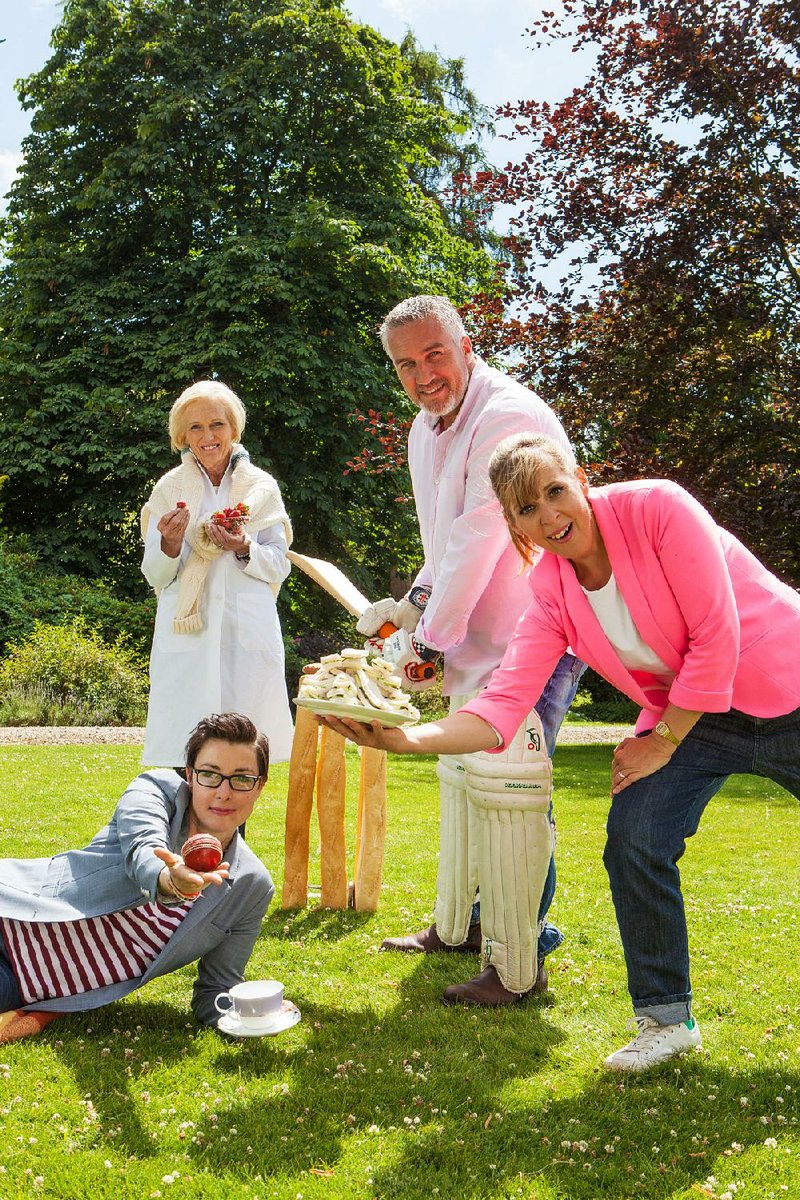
column 285, row 1019
column 354, row 712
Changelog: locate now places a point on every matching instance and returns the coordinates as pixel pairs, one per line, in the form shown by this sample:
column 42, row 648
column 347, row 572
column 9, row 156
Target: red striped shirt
column 64, row 958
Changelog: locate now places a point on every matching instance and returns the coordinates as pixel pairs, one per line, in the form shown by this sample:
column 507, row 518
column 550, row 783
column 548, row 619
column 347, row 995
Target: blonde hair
column 513, row 473
column 205, row 389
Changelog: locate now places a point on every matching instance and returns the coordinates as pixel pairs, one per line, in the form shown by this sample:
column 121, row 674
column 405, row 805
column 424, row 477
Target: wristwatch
column 664, row 731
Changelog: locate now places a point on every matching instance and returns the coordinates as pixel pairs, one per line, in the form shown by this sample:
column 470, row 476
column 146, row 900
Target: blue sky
column 488, row 34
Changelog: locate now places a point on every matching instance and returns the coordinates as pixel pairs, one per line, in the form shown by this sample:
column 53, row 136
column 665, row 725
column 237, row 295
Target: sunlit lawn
column 381, row 1091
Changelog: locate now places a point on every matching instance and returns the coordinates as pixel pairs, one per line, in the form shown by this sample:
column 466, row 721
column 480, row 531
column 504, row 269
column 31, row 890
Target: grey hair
column 206, row 389
column 419, row 308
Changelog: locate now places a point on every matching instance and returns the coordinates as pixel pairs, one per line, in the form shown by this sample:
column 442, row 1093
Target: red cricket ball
column 203, row 852
column 181, row 504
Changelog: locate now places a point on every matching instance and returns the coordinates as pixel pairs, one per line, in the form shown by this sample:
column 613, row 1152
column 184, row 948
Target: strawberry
column 232, row 518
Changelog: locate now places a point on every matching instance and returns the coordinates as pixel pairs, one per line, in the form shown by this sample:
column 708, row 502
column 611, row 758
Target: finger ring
column 622, row 775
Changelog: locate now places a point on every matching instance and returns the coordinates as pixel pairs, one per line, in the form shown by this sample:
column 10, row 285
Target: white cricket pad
column 509, row 799
column 457, row 878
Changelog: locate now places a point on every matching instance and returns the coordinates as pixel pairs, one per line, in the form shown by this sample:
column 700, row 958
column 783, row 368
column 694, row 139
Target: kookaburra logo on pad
column 534, row 740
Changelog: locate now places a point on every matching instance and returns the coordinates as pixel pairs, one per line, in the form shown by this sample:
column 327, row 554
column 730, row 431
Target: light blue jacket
column 118, row 869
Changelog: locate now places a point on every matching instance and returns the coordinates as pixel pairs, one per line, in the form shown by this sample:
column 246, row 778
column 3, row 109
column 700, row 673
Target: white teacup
column 255, row 1003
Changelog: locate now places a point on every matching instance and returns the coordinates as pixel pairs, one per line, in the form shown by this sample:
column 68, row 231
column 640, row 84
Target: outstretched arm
column 177, row 881
column 462, row 733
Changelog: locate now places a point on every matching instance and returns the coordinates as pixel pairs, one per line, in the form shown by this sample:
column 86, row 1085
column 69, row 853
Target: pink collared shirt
column 726, row 626
column 478, row 586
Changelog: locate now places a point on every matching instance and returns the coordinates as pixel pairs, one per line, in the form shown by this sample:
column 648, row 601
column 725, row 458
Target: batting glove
column 377, row 614
column 408, row 611
column 413, row 661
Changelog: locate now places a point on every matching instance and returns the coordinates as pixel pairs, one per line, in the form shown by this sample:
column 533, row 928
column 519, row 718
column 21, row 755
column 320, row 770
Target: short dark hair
column 228, row 727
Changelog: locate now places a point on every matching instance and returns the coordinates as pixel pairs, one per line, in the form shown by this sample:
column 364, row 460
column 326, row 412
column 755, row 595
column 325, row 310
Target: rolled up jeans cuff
column 550, row 939
column 667, row 1014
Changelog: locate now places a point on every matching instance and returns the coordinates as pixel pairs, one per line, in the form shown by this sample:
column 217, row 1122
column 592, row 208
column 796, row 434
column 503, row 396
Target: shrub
column 39, row 705
column 29, row 594
column 431, row 703
column 66, row 674
column 307, row 647
column 598, row 700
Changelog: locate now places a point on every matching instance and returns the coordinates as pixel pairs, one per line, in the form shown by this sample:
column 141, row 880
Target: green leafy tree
column 655, row 252
column 30, row 592
column 229, row 188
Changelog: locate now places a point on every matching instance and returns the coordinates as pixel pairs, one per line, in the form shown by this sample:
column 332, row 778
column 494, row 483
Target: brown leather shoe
column 427, row 941
column 487, row 990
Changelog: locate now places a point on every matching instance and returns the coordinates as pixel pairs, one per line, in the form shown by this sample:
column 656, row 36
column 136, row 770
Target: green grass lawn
column 381, row 1091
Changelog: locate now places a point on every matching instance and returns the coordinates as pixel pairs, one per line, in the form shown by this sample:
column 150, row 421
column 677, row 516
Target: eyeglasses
column 213, row 779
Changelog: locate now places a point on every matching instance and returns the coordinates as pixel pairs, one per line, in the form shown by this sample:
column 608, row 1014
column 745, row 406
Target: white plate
column 289, row 1016
column 354, row 712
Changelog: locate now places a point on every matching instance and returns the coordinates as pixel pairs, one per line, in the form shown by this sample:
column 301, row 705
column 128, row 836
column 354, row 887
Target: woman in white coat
column 217, row 645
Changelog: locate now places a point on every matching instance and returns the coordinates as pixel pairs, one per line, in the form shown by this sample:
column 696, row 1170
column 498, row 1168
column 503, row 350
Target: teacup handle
column 223, row 996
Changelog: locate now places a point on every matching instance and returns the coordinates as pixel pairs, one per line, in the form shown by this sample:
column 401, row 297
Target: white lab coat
column 235, row 662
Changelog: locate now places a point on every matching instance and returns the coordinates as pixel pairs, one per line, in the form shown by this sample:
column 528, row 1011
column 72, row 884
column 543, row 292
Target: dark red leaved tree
column 654, row 252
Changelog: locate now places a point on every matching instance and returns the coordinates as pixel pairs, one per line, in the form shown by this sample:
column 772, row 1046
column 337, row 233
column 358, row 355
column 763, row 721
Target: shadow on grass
column 472, row 1103
column 476, row 1135
column 349, row 1071
column 658, row 1135
column 313, row 924
column 374, row 1074
column 103, row 1050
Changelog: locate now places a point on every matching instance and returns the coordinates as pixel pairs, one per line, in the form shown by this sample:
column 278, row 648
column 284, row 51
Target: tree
column 664, row 197
column 230, row 188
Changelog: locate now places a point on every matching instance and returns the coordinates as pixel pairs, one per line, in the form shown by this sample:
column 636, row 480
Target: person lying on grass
column 87, row 927
column 642, row 584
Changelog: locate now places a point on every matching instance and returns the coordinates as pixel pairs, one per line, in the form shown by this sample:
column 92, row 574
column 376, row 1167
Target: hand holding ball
column 202, row 853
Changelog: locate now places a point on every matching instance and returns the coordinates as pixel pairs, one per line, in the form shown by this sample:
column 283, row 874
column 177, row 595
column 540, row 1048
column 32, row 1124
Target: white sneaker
column 653, row 1044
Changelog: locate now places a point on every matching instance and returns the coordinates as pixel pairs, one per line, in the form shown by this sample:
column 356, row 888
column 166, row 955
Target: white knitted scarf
column 255, row 487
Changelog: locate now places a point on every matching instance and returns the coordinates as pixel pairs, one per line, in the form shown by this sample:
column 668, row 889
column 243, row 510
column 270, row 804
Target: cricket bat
column 336, row 584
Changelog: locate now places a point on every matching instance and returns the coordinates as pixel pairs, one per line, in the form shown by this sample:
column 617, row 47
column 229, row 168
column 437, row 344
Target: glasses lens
column 243, row 783
column 209, row 778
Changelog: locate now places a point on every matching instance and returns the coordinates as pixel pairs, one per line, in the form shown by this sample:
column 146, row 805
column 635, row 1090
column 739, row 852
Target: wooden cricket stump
column 318, row 763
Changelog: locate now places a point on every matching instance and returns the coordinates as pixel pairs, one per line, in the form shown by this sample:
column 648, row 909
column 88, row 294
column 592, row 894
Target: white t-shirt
column 615, row 618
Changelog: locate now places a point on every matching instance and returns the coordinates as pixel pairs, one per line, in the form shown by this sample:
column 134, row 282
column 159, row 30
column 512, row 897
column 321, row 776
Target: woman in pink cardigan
column 640, row 582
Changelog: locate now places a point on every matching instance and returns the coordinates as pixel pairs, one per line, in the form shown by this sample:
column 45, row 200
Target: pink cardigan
column 727, row 627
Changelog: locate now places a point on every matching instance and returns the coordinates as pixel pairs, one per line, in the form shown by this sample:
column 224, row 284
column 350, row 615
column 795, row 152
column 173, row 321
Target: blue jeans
column 9, row 990
column 558, row 694
column 646, row 836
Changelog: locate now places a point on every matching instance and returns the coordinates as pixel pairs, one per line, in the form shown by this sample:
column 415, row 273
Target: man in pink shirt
column 464, row 605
